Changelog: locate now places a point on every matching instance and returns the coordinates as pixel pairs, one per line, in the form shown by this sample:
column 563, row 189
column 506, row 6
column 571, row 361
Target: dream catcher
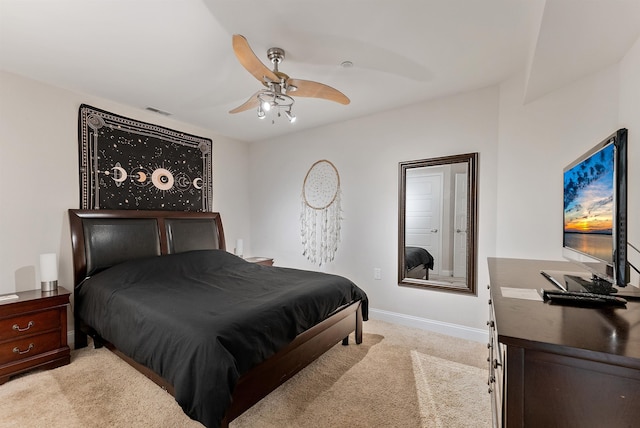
column 320, row 216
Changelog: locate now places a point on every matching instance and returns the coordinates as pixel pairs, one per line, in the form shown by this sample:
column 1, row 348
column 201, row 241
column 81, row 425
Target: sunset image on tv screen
column 588, row 195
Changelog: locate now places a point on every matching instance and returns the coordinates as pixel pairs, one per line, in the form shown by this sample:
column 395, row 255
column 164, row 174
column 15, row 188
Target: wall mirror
column 437, row 223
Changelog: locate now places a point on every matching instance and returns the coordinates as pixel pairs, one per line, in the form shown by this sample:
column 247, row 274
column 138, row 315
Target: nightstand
column 264, row 261
column 33, row 331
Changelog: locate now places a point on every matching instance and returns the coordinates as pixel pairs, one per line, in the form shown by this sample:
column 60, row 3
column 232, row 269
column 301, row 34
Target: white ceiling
column 176, row 55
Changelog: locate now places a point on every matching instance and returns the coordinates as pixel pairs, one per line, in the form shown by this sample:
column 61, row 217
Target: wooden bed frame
column 98, row 241
column 418, row 272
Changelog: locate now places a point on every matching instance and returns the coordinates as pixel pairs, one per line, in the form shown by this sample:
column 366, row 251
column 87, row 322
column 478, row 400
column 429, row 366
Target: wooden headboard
column 103, row 238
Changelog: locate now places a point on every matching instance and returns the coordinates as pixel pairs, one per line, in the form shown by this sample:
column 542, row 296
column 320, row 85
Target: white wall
column 537, row 141
column 39, row 176
column 366, row 153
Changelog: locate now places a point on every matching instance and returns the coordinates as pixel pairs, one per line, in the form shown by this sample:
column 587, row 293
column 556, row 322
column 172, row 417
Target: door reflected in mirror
column 437, row 223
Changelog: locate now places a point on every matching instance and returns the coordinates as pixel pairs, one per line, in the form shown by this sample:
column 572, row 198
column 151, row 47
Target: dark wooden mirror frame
column 471, row 159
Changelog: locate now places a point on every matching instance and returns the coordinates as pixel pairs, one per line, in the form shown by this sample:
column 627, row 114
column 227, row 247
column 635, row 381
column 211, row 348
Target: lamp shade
column 239, row 249
column 49, row 271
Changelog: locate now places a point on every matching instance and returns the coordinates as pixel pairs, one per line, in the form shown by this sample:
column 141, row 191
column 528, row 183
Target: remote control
column 580, row 298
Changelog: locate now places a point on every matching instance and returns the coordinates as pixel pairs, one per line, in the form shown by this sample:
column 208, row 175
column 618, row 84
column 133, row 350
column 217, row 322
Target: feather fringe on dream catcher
column 321, row 213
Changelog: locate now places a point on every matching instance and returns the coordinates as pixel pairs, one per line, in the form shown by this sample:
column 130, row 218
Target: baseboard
column 463, row 332
column 71, row 339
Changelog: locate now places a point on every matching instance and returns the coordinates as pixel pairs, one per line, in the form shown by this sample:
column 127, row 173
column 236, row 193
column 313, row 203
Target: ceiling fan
column 279, row 87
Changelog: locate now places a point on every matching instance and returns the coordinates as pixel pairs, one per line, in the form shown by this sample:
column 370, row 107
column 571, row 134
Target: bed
column 217, row 332
column 418, row 261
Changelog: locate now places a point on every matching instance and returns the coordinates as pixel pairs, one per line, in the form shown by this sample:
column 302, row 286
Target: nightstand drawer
column 33, row 323
column 29, row 346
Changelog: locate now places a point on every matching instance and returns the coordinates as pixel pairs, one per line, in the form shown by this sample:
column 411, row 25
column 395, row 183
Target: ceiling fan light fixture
column 290, row 116
column 274, row 101
column 274, row 98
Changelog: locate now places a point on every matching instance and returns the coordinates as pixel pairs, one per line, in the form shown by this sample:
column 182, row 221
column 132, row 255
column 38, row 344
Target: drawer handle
column 17, row 350
column 16, row 327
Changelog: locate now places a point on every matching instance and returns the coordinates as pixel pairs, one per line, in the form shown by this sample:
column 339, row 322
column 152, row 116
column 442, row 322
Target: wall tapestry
column 321, row 212
column 127, row 164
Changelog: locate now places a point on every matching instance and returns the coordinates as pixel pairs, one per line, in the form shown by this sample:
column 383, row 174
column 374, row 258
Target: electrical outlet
column 377, row 273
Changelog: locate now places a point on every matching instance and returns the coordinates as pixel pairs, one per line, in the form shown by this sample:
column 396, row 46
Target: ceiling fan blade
column 250, row 61
column 249, row 104
column 308, row 88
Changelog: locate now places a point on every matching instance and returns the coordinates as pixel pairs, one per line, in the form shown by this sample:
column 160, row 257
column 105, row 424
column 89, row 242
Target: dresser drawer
column 496, row 370
column 32, row 323
column 29, row 346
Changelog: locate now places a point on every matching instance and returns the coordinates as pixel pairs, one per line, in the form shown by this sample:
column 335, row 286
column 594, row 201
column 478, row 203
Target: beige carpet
column 399, row 377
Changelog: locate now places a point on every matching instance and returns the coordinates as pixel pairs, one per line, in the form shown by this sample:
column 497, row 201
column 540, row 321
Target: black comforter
column 416, row 256
column 202, row 319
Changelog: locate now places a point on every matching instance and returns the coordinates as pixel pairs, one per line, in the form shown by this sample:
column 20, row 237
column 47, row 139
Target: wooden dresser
column 33, row 332
column 560, row 366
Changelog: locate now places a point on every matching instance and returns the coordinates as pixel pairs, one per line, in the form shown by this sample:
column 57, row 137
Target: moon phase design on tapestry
column 127, row 164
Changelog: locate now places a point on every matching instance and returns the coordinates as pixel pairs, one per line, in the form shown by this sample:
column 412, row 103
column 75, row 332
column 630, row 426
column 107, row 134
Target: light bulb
column 290, row 116
column 266, row 106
